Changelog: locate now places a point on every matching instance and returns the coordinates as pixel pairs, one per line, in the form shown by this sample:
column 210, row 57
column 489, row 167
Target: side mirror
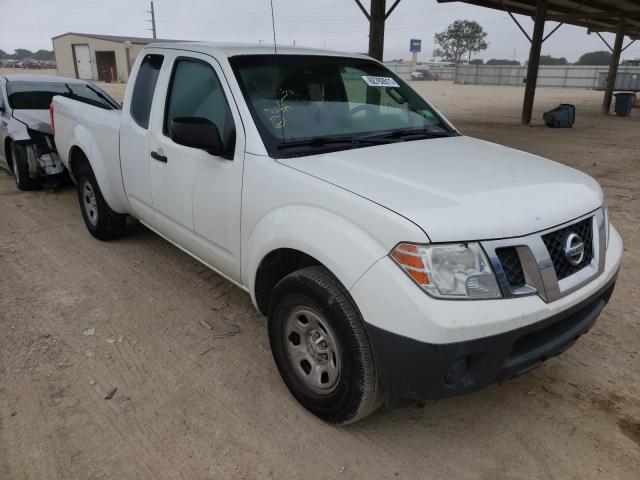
column 196, row 132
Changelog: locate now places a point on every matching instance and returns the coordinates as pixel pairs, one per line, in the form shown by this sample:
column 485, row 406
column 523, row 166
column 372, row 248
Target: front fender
column 106, row 170
column 336, row 242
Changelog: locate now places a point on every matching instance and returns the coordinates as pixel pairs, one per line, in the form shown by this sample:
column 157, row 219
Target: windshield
column 25, row 95
column 304, row 104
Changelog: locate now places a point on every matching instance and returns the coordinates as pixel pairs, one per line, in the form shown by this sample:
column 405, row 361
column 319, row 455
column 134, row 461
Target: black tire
column 20, row 164
column 357, row 392
column 102, row 222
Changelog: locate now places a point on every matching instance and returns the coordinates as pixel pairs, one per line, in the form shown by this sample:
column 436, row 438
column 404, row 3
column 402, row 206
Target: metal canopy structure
column 621, row 17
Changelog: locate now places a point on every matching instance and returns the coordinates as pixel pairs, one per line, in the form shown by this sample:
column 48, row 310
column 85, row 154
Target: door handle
column 159, row 157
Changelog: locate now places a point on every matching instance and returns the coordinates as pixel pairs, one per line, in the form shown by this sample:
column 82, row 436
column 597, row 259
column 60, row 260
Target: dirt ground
column 180, row 413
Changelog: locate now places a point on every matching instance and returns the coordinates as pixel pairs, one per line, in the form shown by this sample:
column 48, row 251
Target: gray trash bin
column 624, row 103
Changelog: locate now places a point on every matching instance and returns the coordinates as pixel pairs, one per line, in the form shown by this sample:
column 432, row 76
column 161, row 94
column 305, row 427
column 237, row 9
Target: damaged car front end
column 26, row 130
column 43, row 157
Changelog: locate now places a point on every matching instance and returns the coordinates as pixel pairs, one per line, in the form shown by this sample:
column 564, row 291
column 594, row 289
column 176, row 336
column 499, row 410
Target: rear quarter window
column 144, row 89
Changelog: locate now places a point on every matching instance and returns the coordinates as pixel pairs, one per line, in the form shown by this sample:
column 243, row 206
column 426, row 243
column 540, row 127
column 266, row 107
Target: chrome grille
column 536, row 264
column 555, row 243
column 511, row 266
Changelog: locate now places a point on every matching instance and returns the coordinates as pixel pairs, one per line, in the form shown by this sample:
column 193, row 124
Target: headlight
column 454, row 270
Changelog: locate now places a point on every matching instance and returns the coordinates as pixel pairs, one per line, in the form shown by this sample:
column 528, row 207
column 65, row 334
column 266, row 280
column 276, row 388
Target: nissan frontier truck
column 393, row 256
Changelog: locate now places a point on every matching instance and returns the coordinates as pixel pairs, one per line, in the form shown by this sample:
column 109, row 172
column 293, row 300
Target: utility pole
column 376, row 17
column 613, row 67
column 534, row 60
column 376, row 28
column 153, row 21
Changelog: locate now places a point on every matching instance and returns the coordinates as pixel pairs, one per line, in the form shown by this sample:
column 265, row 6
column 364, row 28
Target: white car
column 393, row 256
column 26, row 140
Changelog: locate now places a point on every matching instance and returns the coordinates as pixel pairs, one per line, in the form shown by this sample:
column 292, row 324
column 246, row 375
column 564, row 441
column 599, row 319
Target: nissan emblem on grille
column 574, row 249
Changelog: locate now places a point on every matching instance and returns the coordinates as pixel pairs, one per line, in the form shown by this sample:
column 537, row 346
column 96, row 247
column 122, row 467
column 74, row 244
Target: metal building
column 106, row 58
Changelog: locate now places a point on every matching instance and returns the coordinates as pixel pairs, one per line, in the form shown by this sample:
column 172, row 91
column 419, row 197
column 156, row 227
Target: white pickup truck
column 393, row 256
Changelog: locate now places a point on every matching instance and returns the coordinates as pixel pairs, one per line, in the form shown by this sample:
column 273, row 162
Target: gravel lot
column 179, row 413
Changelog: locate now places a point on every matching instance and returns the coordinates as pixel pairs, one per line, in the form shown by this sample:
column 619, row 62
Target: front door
column 196, row 195
column 83, row 62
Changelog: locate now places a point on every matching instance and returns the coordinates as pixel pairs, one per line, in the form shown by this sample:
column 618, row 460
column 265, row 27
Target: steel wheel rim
column 90, row 204
column 312, row 350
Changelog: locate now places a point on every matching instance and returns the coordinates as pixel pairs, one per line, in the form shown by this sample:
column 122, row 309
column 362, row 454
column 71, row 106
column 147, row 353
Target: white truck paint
column 349, row 210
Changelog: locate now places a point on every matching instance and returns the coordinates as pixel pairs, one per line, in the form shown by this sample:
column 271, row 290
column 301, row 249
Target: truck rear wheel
column 321, row 348
column 20, row 163
column 102, row 222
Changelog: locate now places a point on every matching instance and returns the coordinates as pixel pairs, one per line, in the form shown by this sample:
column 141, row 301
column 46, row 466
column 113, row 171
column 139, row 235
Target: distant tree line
column 463, row 38
column 23, row 54
column 599, row 58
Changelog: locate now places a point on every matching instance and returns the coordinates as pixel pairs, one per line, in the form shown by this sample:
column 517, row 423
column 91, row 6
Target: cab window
column 195, row 91
column 144, row 89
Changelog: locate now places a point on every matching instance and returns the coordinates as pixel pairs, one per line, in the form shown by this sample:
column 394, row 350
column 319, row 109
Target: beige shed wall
column 63, row 48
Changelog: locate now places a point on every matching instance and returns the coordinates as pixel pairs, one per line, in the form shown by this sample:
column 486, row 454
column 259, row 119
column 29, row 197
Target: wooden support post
column 613, row 67
column 534, row 61
column 376, row 28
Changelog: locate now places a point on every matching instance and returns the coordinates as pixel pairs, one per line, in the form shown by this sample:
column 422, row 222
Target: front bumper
column 420, row 370
column 430, row 348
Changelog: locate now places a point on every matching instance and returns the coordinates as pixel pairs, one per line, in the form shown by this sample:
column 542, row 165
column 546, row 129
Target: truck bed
column 96, row 132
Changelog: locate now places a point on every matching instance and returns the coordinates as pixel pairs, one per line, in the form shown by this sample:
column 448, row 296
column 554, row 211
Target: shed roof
column 119, row 39
column 595, row 15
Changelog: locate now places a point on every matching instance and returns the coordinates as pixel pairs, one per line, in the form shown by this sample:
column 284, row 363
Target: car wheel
column 102, row 222
column 20, row 163
column 320, row 347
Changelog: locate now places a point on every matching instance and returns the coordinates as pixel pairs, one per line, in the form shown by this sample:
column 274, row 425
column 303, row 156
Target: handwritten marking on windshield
column 276, row 110
column 277, row 121
column 276, row 114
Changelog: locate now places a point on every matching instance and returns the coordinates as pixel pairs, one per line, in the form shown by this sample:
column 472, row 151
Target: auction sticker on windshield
column 379, row 81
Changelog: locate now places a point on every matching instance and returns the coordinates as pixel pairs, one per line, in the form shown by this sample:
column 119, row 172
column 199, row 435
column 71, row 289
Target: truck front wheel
column 102, row 222
column 321, row 348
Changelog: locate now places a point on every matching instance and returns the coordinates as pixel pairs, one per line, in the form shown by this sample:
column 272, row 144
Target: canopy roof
column 595, row 15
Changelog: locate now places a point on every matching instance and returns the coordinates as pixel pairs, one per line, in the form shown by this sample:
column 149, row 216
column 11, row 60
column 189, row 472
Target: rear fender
column 106, row 171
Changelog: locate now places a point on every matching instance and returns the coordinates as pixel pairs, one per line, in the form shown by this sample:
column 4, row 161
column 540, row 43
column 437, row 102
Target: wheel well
column 7, row 152
column 273, row 268
column 77, row 158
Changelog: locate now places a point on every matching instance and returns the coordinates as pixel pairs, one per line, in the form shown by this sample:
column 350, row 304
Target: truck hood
column 460, row 188
column 35, row 119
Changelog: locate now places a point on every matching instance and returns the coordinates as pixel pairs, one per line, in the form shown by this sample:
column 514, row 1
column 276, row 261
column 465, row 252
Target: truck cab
column 393, row 256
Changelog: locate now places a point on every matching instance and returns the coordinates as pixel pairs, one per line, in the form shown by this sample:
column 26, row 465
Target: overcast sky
column 334, row 24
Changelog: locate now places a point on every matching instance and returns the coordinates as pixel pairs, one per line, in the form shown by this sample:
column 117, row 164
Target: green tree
column 22, row 53
column 43, row 55
column 476, row 61
column 3, row 54
column 601, row 57
column 549, row 60
column 502, row 61
column 462, row 37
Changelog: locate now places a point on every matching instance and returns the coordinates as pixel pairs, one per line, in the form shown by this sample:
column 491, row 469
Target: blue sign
column 415, row 45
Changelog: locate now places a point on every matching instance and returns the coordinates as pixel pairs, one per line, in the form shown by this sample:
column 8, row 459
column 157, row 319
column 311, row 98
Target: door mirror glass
column 196, row 132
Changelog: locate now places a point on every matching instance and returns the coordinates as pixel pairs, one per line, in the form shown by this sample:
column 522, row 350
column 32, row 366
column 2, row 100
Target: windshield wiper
column 322, row 141
column 400, row 135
